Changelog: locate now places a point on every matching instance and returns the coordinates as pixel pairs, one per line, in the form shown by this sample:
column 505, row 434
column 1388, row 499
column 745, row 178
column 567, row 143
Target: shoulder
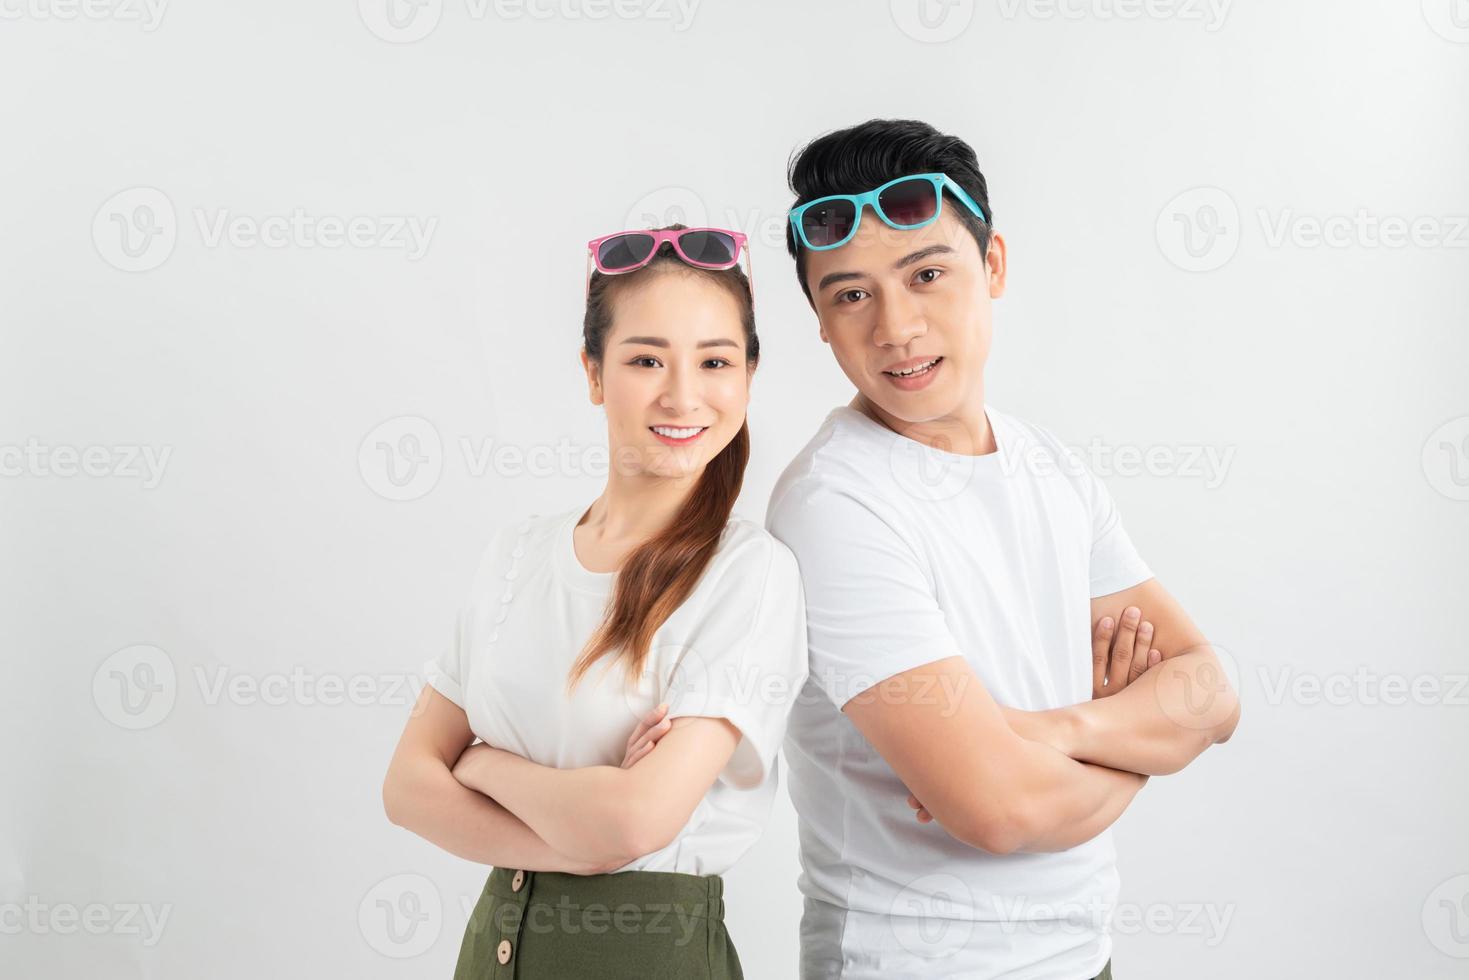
column 1022, row 433
column 849, row 456
column 749, row 551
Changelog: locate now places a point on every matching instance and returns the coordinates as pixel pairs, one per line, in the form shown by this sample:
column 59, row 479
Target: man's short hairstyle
column 862, row 157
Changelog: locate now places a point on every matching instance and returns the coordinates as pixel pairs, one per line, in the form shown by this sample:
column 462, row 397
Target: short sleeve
column 746, row 662
column 871, row 608
column 448, row 673
column 1115, row 564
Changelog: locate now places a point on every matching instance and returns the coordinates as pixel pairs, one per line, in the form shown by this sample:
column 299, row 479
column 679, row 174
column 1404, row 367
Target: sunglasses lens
column 828, row 222
column 909, row 202
column 708, row 247
column 624, row 251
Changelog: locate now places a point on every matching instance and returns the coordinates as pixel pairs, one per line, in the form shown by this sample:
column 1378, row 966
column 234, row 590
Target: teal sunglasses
column 905, row 204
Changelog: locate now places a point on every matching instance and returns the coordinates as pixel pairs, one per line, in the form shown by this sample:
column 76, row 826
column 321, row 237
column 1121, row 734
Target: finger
column 1140, row 651
column 646, row 722
column 925, row 817
column 635, row 755
column 1122, row 647
column 652, row 735
column 1101, row 643
column 913, row 802
column 1155, row 657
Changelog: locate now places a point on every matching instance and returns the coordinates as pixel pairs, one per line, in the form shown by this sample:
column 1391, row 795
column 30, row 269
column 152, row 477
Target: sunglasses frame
column 940, row 182
column 742, row 247
column 673, row 236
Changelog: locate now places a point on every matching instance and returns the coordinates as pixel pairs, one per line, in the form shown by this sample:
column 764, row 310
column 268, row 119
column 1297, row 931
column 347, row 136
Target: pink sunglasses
column 703, row 248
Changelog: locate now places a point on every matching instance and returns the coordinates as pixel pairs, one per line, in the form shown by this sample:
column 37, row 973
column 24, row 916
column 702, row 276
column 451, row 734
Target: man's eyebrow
column 921, row 254
column 662, row 342
column 907, row 260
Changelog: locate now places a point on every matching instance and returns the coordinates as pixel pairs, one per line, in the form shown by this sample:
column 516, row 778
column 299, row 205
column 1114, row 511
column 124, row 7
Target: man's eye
column 851, row 295
column 928, row 275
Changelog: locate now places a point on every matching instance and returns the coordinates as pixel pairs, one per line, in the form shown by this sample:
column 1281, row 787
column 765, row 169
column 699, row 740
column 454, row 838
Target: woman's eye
column 928, row 275
column 717, row 362
column 645, row 361
column 851, row 295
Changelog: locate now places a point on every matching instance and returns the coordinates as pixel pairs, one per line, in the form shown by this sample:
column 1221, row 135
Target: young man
column 966, row 737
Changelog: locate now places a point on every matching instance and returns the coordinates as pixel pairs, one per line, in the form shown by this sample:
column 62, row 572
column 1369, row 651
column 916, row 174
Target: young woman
column 628, row 666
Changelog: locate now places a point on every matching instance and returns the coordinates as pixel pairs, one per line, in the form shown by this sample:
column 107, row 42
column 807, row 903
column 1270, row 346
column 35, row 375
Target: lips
column 914, row 375
column 913, row 368
column 676, row 435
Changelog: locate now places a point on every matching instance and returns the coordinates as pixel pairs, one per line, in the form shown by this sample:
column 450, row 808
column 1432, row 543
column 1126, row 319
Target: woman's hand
column 651, row 727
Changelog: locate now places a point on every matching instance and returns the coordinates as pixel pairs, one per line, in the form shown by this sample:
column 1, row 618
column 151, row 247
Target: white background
column 174, row 744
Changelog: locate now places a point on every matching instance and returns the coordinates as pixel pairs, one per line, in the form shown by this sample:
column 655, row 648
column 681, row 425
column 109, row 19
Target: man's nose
column 899, row 320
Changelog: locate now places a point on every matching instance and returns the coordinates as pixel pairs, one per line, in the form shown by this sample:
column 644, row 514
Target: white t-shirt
column 735, row 649
column 910, row 555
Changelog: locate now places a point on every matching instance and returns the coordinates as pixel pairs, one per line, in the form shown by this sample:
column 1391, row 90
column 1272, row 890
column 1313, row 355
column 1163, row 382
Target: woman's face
column 674, row 380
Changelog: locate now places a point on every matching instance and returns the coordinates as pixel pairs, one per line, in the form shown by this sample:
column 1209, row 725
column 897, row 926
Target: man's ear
column 998, row 263
column 594, row 377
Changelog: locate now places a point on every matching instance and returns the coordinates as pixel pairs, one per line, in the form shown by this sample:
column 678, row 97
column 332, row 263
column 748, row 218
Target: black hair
column 861, row 157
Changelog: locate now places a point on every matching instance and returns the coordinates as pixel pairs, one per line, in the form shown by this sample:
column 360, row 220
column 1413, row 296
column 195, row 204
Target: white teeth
column 664, row 430
column 913, row 370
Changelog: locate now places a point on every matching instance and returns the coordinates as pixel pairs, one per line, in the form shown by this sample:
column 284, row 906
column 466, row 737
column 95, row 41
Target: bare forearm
column 1064, row 803
column 575, row 810
column 430, row 802
column 1091, row 805
column 1157, row 725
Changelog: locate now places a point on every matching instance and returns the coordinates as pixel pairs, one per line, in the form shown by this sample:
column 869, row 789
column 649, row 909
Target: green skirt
column 633, row 925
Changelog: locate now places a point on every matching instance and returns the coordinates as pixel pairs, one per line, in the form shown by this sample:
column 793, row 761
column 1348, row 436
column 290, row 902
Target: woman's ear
column 594, row 377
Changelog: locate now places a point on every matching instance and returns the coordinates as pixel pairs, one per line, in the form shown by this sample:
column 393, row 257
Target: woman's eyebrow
column 662, row 342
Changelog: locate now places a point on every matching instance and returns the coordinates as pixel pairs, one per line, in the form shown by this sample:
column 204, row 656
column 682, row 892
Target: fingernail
column 1106, row 622
column 1147, row 627
column 1132, row 614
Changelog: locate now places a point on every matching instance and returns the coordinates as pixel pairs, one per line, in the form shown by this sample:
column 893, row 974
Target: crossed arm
column 1018, row 780
column 494, row 807
column 1161, row 717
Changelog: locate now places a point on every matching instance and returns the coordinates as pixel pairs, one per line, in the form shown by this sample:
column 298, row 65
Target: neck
column 965, row 432
column 635, row 507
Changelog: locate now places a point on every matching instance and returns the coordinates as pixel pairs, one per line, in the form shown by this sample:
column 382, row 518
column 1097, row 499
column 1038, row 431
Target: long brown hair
column 662, row 572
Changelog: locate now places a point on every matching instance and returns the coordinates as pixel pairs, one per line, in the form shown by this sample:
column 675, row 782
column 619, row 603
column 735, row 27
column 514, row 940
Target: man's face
column 890, row 301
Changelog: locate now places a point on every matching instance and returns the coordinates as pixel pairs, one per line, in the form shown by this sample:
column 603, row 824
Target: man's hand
column 1119, row 660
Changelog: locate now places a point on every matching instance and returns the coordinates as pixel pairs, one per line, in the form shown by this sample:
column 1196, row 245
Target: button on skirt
column 637, row 925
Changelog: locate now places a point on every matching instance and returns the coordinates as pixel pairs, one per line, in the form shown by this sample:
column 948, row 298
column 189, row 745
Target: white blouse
column 735, row 649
